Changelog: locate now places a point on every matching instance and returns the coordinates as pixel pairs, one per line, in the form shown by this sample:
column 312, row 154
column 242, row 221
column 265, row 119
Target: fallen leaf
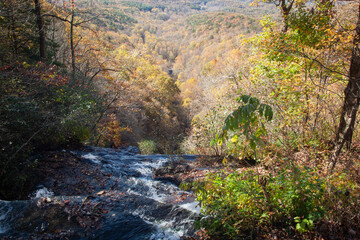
column 101, row 192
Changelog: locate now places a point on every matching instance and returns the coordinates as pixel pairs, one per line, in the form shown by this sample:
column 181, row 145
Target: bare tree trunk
column 350, row 107
column 72, row 47
column 40, row 25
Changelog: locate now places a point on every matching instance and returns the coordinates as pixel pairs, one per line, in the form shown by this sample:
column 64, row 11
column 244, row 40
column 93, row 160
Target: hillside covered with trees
column 268, row 92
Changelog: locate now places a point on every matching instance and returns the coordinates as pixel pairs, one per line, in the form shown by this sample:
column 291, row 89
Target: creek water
column 133, row 204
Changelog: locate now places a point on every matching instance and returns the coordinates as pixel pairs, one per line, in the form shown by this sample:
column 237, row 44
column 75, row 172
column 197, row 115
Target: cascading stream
column 135, row 205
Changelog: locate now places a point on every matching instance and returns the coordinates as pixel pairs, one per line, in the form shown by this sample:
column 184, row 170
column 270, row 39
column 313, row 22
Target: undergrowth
column 299, row 202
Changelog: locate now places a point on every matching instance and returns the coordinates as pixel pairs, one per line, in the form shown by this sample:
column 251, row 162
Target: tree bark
column 72, row 47
column 285, row 10
column 350, row 107
column 40, row 25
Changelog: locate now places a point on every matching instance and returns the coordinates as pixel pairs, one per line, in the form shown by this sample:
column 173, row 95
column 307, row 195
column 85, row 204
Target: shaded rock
column 171, row 173
column 172, row 180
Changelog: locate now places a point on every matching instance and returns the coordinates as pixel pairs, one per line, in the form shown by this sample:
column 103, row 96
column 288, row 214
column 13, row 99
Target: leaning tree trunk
column 350, row 107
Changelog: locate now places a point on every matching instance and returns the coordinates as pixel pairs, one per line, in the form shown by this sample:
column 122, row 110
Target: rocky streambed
column 101, row 193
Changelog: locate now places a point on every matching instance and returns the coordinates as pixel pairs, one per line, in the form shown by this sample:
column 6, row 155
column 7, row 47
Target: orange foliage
column 110, row 132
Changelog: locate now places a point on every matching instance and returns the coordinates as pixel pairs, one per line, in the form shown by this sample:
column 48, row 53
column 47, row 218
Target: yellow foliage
column 186, row 102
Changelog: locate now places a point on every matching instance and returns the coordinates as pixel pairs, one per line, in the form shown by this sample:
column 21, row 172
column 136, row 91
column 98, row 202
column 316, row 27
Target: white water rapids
column 140, row 206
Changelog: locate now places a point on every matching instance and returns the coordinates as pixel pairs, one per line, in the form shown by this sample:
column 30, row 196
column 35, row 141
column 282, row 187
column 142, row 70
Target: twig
column 22, row 146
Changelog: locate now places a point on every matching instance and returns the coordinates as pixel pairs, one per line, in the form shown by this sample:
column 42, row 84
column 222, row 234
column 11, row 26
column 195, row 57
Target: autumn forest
column 267, row 92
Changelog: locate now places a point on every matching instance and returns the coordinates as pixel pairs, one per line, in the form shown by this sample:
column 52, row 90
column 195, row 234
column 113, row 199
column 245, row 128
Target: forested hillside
column 269, row 88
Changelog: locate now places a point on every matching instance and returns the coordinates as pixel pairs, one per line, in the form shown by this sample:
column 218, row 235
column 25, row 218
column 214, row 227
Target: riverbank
column 340, row 221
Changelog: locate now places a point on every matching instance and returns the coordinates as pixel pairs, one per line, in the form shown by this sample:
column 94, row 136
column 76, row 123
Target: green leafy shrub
column 248, row 120
column 231, row 205
column 300, row 195
column 234, row 205
column 147, row 147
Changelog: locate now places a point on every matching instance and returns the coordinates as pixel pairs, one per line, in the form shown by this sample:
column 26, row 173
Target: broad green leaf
column 252, row 144
column 254, row 101
column 268, row 113
column 245, row 98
